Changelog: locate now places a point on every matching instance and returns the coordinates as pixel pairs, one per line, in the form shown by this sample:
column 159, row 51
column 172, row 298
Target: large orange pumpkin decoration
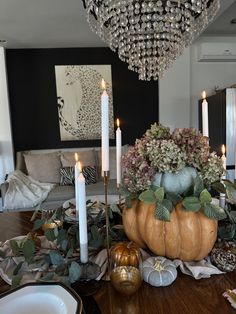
column 189, row 236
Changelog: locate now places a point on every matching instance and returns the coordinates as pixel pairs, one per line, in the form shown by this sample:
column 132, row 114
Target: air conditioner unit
column 217, row 52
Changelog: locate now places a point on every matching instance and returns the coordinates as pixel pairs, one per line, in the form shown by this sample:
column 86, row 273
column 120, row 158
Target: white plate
column 40, row 299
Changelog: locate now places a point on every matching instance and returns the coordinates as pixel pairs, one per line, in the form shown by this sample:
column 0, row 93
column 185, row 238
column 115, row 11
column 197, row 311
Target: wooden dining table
column 184, row 295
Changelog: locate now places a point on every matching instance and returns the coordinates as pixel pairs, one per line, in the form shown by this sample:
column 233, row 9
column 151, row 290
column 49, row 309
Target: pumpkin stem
column 129, row 244
column 157, row 266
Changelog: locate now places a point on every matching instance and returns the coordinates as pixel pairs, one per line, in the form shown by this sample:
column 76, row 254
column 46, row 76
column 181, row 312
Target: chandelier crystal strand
column 149, row 35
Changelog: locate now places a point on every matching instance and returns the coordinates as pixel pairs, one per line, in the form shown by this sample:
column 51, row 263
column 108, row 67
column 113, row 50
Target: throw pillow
column 68, row 175
column 86, row 157
column 43, row 167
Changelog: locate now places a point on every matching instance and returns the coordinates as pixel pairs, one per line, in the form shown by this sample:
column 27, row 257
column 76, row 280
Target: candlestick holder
column 106, row 180
column 119, row 200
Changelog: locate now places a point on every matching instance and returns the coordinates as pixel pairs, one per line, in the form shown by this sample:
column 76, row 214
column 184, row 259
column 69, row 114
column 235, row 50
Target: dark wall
column 33, row 98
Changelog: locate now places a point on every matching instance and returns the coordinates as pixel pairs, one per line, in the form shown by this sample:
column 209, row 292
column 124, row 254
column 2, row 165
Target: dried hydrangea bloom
column 160, row 151
column 195, row 145
column 158, row 131
column 166, row 156
column 138, row 174
column 212, row 170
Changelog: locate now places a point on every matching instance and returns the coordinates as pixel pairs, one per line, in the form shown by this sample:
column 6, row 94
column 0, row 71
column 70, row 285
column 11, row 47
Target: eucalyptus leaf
column 219, row 187
column 74, row 272
column 65, row 280
column 128, row 202
column 96, row 239
column 159, row 194
column 55, row 230
column 214, row 212
column 205, row 197
column 191, row 203
column 56, row 257
column 228, row 183
column 98, row 217
column 28, row 249
column 17, row 269
column 115, row 208
column 227, row 232
column 47, row 277
column 14, row 246
column 154, row 187
column 174, row 198
column 69, row 253
column 198, row 186
column 148, row 197
column 16, row 280
column 38, row 224
column 162, row 212
column 231, row 194
column 49, row 233
column 62, row 236
column 64, row 244
column 233, row 216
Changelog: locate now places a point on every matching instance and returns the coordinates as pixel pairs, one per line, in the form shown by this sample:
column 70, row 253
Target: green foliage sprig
column 60, row 259
column 197, row 198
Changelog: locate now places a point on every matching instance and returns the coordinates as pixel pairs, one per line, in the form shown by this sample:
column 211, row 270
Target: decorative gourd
column 159, row 271
column 176, row 182
column 125, row 254
column 189, row 236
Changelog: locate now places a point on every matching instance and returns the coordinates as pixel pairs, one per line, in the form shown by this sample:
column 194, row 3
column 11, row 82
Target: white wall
column 207, row 75
column 174, row 93
column 182, row 85
column 6, row 150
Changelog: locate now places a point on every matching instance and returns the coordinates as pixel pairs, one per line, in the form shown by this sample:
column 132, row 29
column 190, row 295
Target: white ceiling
column 62, row 23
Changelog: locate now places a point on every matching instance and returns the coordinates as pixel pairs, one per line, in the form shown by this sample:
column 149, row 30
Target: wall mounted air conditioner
column 217, row 52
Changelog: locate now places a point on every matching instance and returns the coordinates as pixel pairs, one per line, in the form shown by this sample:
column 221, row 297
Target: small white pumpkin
column 159, row 271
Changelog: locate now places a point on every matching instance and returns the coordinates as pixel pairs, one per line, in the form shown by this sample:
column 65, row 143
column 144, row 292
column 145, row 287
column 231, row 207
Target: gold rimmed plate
column 41, row 298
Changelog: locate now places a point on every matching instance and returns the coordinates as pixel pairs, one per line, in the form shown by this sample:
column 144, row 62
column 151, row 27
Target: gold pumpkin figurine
column 125, row 276
column 125, row 254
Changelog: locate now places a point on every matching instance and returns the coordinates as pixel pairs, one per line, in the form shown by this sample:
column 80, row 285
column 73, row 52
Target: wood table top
column 185, row 295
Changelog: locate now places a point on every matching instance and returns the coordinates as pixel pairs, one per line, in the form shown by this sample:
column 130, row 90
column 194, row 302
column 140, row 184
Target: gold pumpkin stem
column 129, row 244
column 157, row 266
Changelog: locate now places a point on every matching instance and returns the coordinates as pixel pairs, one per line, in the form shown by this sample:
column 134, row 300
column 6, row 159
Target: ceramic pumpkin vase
column 189, row 236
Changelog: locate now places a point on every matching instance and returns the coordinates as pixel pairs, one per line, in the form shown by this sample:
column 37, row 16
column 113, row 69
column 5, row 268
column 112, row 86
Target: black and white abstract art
column 79, row 101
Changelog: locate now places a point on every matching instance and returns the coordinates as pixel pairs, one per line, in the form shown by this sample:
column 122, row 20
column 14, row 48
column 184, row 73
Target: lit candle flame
column 118, row 123
column 80, row 167
column 103, row 84
column 223, row 149
column 76, row 157
column 204, row 94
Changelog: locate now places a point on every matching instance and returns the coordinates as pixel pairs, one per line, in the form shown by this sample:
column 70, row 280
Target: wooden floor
column 185, row 295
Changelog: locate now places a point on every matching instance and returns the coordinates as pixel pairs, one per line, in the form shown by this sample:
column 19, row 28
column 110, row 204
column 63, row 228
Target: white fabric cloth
column 24, row 191
column 198, row 270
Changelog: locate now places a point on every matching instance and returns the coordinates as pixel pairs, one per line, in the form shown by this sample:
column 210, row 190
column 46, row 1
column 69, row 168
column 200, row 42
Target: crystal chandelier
column 149, row 34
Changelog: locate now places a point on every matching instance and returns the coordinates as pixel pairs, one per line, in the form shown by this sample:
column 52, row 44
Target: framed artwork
column 79, row 101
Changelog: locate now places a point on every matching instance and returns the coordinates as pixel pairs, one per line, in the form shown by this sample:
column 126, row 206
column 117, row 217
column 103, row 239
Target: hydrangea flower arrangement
column 166, row 168
column 162, row 151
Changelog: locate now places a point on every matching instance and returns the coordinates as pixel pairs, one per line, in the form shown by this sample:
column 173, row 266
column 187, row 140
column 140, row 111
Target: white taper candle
column 223, row 158
column 118, row 153
column 83, row 232
column 205, row 124
column 105, row 128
